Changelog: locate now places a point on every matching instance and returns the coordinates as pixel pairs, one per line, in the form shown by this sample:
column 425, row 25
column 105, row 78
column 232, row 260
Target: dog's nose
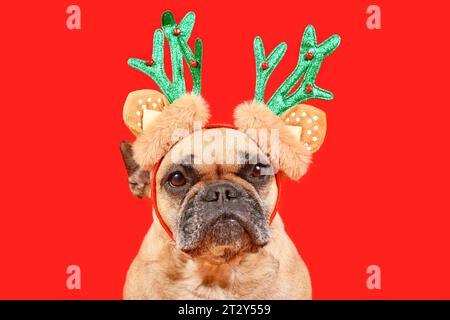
column 221, row 192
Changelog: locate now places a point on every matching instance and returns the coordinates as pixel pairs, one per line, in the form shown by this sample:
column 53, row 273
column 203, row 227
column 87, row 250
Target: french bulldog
column 216, row 231
column 224, row 245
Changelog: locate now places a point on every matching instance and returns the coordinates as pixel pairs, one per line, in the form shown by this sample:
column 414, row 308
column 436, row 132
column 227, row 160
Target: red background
column 377, row 192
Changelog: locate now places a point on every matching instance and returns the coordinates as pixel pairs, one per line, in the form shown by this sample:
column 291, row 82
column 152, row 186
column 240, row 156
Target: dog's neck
column 239, row 277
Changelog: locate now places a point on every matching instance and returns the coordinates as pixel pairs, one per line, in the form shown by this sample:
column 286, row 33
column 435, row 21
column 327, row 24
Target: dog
column 215, row 238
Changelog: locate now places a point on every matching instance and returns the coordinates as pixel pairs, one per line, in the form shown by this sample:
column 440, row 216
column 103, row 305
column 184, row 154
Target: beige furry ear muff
column 293, row 156
column 155, row 122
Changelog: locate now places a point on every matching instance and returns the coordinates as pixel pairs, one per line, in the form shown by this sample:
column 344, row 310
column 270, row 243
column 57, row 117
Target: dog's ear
column 138, row 178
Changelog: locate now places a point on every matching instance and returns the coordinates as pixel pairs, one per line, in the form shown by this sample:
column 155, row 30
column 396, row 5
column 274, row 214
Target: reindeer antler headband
column 152, row 116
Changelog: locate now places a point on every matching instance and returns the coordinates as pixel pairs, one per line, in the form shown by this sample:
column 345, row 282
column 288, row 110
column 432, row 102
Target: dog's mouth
column 227, row 229
column 224, row 238
column 225, row 233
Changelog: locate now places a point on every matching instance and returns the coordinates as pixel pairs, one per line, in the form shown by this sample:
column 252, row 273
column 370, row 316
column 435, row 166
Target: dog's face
column 216, row 190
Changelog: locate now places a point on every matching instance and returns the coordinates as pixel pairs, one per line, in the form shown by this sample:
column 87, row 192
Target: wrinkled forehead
column 219, row 146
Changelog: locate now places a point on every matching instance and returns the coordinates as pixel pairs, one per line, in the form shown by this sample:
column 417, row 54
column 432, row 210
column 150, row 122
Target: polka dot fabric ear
column 138, row 104
column 312, row 123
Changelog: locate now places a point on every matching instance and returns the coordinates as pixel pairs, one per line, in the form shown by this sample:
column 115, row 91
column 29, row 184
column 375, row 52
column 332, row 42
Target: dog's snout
column 221, row 192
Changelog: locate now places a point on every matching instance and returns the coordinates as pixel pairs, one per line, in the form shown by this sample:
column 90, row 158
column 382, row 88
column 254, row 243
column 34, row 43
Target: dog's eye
column 177, row 179
column 257, row 170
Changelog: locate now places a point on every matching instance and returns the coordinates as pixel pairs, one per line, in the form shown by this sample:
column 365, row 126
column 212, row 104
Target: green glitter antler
column 309, row 62
column 177, row 37
column 265, row 67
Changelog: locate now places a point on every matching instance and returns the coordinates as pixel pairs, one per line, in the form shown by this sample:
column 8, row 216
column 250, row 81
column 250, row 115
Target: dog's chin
column 224, row 240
